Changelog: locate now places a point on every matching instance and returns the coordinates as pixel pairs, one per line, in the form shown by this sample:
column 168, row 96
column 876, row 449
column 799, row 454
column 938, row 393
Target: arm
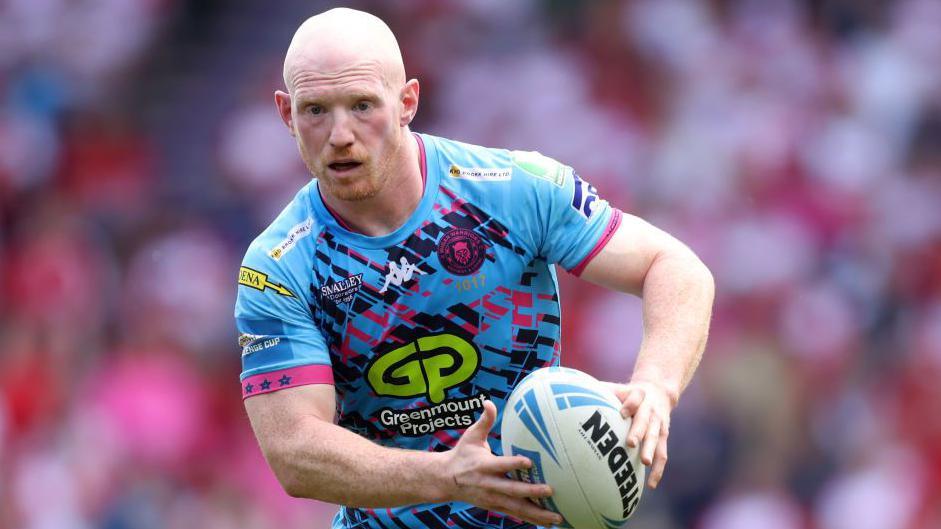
column 678, row 292
column 314, row 458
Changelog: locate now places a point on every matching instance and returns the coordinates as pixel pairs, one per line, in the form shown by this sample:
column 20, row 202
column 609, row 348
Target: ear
column 409, row 98
column 283, row 102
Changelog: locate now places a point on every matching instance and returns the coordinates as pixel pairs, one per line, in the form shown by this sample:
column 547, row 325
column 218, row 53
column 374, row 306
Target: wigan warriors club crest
column 461, row 251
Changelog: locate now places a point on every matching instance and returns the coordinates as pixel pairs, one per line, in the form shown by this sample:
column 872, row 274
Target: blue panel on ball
column 536, row 475
column 573, row 396
column 612, row 524
column 575, row 401
column 532, row 419
column 559, row 389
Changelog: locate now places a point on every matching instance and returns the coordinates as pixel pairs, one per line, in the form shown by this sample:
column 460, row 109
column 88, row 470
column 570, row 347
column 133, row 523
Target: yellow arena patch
column 259, row 281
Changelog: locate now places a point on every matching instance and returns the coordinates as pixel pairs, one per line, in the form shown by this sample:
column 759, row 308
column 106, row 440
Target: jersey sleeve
column 281, row 345
column 572, row 223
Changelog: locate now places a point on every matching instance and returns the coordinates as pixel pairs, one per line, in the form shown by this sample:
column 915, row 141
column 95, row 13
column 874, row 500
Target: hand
column 649, row 405
column 479, row 476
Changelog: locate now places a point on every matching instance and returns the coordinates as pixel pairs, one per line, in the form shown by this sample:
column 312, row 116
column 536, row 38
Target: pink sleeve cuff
column 609, row 230
column 286, row 378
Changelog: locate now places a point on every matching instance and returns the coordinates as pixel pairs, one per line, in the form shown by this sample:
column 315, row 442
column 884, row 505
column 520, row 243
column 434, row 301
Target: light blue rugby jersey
column 417, row 327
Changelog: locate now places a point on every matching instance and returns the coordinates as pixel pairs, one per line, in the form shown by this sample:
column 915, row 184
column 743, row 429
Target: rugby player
column 388, row 311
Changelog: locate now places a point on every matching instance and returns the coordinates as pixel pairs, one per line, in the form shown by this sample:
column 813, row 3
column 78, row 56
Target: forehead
column 311, row 80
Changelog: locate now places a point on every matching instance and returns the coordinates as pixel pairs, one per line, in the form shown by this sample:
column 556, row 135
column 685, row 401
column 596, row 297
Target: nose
column 341, row 132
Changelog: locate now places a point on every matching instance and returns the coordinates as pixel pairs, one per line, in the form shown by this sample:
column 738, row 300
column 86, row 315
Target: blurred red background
column 795, row 145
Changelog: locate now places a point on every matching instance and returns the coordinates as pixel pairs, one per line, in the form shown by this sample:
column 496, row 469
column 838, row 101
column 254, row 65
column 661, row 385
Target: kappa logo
column 399, row 274
column 259, row 281
column 427, row 366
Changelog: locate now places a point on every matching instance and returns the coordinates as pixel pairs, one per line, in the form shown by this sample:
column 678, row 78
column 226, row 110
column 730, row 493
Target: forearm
column 678, row 293
column 325, row 462
column 314, row 458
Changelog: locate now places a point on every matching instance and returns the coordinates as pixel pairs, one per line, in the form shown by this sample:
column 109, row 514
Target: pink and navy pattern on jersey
column 415, row 329
column 511, row 317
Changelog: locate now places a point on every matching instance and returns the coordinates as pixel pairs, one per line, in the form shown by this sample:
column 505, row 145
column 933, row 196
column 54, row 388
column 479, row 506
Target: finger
column 517, row 489
column 620, row 390
column 478, row 431
column 529, row 512
column 632, row 401
column 638, row 426
column 504, row 464
column 659, row 462
column 651, row 438
column 520, row 508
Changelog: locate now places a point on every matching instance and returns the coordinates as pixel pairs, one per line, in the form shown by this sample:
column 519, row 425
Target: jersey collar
column 428, row 159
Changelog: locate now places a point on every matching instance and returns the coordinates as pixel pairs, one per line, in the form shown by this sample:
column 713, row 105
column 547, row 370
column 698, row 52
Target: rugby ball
column 570, row 426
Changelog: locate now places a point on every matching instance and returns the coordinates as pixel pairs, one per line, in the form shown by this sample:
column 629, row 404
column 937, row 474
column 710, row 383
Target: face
column 348, row 127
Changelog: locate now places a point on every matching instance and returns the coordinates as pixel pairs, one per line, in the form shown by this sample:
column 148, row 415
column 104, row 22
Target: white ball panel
column 571, row 427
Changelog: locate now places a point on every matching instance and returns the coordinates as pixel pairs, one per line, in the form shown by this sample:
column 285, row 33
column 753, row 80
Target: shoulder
column 285, row 247
column 293, row 224
column 454, row 152
column 477, row 169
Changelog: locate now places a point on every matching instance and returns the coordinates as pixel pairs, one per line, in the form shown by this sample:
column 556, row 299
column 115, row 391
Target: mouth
column 344, row 166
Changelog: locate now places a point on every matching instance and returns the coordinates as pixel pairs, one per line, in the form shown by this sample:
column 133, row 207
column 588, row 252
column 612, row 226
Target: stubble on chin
column 357, row 192
column 375, row 176
column 365, row 187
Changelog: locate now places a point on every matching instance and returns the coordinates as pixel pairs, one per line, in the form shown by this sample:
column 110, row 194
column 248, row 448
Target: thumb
column 479, row 430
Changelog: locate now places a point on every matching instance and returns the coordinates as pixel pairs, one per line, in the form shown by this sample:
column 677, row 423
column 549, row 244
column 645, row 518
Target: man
column 410, row 286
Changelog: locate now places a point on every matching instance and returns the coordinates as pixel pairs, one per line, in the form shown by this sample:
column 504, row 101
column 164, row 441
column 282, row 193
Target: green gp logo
column 429, row 365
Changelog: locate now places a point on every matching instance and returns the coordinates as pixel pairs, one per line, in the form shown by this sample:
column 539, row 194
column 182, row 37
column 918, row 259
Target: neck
column 388, row 210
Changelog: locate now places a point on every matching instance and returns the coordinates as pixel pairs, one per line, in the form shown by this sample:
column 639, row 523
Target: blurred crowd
column 794, row 145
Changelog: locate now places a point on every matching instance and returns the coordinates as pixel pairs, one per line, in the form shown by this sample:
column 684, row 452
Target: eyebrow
column 363, row 95
column 305, row 98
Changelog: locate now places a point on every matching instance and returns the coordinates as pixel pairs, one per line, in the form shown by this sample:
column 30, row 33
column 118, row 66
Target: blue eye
column 315, row 110
column 362, row 106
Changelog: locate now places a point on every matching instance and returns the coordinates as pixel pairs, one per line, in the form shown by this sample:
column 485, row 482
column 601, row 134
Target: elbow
column 703, row 286
column 294, row 488
column 698, row 272
column 288, row 474
column 707, row 279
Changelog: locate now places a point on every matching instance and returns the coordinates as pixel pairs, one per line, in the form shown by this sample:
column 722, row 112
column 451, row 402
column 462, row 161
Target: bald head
column 348, row 105
column 336, row 39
